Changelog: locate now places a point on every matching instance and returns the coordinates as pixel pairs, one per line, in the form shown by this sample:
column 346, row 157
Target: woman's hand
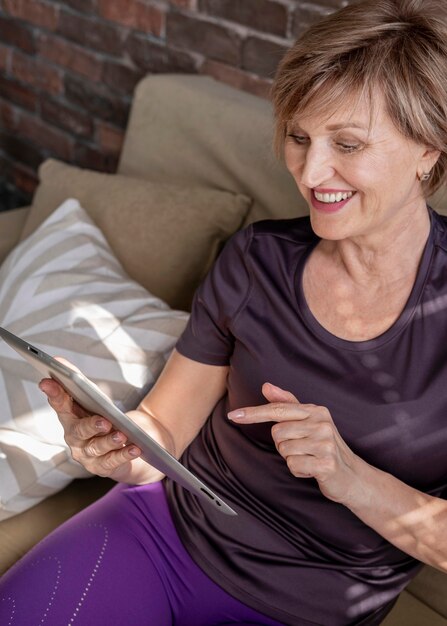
column 172, row 413
column 93, row 441
column 306, row 437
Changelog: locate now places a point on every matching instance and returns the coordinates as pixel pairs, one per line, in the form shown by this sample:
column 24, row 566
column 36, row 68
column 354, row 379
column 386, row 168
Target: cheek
column 293, row 160
column 388, row 174
column 364, row 176
column 401, row 173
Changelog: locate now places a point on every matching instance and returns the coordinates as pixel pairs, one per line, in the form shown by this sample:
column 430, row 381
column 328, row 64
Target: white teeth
column 333, row 197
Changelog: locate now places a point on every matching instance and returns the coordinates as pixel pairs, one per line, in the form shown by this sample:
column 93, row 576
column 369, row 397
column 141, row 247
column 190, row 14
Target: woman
column 317, row 347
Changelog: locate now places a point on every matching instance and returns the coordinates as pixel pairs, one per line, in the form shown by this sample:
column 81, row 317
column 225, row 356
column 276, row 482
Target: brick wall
column 68, row 68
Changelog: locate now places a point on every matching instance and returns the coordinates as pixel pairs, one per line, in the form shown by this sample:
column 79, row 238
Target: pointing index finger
column 271, row 412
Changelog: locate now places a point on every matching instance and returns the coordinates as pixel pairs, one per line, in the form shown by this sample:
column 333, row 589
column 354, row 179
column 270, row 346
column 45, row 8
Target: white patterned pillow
column 63, row 290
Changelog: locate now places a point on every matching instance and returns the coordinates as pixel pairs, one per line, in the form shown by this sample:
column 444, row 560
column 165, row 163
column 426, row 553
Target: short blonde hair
column 397, row 46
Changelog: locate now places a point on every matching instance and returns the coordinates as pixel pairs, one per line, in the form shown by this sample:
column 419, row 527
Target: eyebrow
column 347, row 125
column 294, row 125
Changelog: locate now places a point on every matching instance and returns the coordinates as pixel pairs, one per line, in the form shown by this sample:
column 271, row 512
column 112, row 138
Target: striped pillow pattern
column 63, row 290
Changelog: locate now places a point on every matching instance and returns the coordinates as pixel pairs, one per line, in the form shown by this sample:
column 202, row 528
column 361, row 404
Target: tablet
column 91, row 398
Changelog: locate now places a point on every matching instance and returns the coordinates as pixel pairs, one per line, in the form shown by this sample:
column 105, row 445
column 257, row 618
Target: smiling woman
column 361, row 118
column 353, row 163
column 308, row 388
column 396, row 49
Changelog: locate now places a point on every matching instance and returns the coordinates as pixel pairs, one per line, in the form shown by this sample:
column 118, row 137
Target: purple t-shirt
column 291, row 553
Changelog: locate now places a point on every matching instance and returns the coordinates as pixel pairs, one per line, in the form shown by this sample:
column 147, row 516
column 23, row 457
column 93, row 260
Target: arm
column 173, row 413
column 306, row 437
column 409, row 519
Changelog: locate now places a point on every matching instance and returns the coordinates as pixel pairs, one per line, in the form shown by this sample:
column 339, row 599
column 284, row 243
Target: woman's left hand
column 306, row 437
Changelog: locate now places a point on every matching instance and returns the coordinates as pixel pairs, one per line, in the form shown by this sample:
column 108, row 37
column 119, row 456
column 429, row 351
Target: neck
column 389, row 254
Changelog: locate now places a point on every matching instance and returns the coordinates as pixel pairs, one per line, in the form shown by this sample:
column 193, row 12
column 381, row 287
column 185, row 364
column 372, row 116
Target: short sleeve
column 208, row 337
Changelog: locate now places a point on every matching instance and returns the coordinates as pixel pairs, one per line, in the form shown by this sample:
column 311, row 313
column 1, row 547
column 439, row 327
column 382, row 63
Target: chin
column 331, row 227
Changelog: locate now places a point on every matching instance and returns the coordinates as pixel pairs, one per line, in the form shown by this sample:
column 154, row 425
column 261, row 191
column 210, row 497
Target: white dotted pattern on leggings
column 56, row 584
column 13, row 609
column 93, row 574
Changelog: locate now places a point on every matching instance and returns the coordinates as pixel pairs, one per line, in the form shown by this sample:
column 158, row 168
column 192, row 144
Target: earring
column 424, row 177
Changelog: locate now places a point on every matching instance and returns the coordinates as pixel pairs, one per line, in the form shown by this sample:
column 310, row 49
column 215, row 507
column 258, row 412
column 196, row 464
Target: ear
column 428, row 160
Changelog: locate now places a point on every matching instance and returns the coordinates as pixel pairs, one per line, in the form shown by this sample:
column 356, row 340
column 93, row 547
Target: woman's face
column 357, row 172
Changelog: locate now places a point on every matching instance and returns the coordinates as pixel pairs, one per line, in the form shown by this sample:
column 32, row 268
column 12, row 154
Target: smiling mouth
column 333, row 197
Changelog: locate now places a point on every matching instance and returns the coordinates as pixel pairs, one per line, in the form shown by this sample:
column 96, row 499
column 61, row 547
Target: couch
column 194, row 131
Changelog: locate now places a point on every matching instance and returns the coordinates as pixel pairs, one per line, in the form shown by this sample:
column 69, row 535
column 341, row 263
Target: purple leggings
column 118, row 562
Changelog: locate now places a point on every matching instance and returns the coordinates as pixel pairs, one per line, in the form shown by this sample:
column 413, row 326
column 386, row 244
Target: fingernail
column 134, row 451
column 100, row 425
column 235, row 415
column 117, row 437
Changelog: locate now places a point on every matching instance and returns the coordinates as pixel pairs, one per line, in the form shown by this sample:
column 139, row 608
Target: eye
column 348, row 148
column 301, row 140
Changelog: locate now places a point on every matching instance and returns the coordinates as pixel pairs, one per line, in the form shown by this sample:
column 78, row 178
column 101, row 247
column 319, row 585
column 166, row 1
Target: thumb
column 275, row 394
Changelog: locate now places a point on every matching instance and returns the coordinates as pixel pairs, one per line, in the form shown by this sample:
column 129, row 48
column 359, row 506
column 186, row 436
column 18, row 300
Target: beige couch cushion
column 430, row 587
column 409, row 611
column 11, row 227
column 166, row 236
column 195, row 130
column 20, row 533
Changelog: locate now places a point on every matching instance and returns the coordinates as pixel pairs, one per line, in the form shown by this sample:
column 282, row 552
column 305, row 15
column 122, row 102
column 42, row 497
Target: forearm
column 175, row 410
column 411, row 520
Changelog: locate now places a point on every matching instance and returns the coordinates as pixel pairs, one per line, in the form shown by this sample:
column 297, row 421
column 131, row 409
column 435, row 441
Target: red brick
column 18, row 149
column 5, row 56
column 211, row 40
column 133, row 14
column 65, row 117
column 237, row 78
column 24, row 178
column 97, row 100
column 109, row 138
column 91, row 33
column 120, row 77
column 18, row 94
column 92, row 158
column 156, row 57
column 8, row 115
column 17, row 34
column 37, row 12
column 261, row 56
column 10, row 195
column 184, row 4
column 305, row 16
column 263, row 15
column 84, row 6
column 44, row 136
column 36, row 73
column 71, row 56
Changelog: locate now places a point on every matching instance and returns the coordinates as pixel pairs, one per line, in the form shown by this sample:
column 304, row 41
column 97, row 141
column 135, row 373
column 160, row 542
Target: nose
column 317, row 167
